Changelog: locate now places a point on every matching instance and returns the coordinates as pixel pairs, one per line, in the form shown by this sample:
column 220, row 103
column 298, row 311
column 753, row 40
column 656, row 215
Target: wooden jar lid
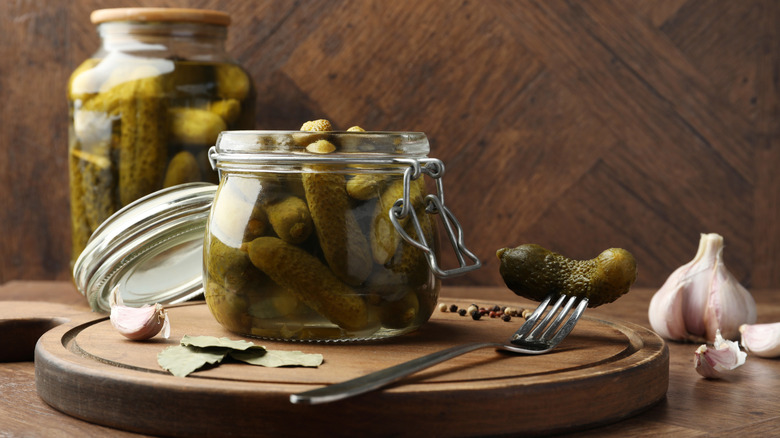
column 160, row 14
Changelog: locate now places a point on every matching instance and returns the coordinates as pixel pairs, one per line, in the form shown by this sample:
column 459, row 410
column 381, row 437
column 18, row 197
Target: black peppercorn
column 453, row 308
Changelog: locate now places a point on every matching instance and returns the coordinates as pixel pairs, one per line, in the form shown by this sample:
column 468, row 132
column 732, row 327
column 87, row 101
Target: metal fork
column 531, row 338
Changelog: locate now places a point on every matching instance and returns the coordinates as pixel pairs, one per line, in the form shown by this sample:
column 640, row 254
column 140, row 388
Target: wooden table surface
column 743, row 403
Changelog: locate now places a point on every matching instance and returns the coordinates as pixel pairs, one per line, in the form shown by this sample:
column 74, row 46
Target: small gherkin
column 309, row 280
column 533, row 272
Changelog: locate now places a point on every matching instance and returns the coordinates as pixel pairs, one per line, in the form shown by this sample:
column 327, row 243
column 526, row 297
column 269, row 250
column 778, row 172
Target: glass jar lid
column 151, row 250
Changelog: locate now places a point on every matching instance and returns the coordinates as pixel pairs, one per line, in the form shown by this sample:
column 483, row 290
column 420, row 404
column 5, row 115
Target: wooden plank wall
column 577, row 125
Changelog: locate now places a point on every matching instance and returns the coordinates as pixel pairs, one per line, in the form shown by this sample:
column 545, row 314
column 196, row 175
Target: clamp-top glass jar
column 325, row 235
column 145, row 108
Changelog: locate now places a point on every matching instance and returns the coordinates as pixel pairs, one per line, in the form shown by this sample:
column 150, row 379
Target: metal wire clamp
column 434, row 205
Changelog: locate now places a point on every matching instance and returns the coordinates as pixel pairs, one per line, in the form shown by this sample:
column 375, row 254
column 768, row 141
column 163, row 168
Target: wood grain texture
column 575, row 125
column 743, row 402
column 40, row 420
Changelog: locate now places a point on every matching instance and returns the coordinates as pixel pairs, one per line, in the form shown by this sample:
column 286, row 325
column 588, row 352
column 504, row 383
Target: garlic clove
column 701, row 297
column 761, row 339
column 703, row 366
column 730, row 305
column 138, row 323
column 698, row 285
column 724, row 355
column 666, row 312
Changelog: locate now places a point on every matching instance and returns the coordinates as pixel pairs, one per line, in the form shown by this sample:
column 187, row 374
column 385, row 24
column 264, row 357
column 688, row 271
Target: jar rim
column 350, row 143
column 206, row 16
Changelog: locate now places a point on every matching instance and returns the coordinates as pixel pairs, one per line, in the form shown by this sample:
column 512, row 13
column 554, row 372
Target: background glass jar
column 301, row 243
column 145, row 108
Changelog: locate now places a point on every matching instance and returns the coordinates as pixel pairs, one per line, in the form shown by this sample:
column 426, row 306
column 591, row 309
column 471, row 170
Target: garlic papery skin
column 702, row 297
column 723, row 356
column 761, row 340
column 138, row 323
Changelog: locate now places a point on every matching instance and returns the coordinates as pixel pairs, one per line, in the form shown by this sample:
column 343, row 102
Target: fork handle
column 384, row 377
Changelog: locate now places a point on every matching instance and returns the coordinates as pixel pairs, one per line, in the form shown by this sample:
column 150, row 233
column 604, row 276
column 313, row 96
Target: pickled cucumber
column 143, row 150
column 313, row 131
column 230, row 267
column 120, row 86
column 228, row 308
column 400, row 313
column 290, row 219
column 275, row 302
column 319, row 125
column 232, row 82
column 183, row 168
column 365, row 186
column 228, row 109
column 321, row 147
column 343, row 243
column 384, row 237
column 257, row 225
column 80, row 230
column 533, row 272
column 195, row 126
column 311, row 281
column 409, row 260
column 98, row 180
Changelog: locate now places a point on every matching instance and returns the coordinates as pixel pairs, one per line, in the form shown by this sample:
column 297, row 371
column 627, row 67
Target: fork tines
column 530, row 331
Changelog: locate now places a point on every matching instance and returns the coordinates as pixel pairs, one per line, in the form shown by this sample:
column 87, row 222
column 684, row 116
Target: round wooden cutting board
column 604, row 371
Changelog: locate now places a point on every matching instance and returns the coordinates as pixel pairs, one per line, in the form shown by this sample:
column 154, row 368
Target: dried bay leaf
column 213, row 341
column 278, row 358
column 181, row 360
column 195, row 352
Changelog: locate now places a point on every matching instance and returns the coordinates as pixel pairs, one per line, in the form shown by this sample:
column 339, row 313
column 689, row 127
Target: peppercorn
column 476, row 315
column 462, row 312
column 472, row 309
column 443, row 307
column 506, row 317
column 454, row 308
column 496, row 308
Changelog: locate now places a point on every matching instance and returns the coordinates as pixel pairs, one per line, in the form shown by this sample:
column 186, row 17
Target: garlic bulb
column 761, row 339
column 702, row 297
column 138, row 323
column 725, row 356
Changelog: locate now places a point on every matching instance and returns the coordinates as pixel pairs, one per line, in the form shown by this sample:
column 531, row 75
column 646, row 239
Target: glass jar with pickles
column 323, row 236
column 146, row 107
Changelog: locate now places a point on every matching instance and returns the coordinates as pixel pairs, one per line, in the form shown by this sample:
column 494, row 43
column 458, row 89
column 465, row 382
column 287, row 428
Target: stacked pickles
column 142, row 124
column 313, row 255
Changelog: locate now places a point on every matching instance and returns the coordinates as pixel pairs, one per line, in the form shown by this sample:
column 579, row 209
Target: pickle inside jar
column 302, row 296
column 138, row 126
